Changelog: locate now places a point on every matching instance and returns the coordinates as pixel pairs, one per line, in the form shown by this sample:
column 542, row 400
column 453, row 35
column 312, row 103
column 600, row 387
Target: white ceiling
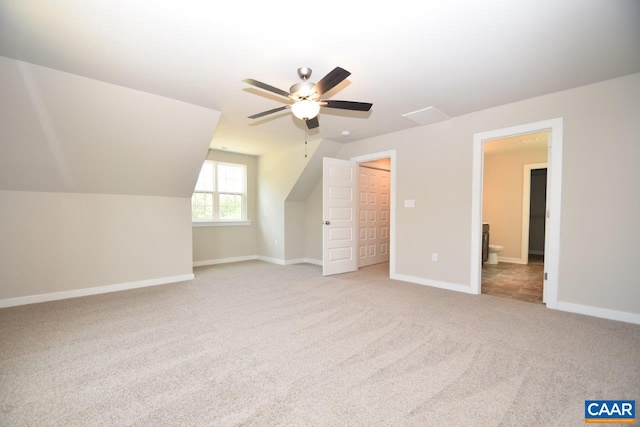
column 459, row 56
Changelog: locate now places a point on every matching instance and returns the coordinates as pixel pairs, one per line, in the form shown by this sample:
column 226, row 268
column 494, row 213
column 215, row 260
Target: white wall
column 216, row 244
column 55, row 242
column 600, row 206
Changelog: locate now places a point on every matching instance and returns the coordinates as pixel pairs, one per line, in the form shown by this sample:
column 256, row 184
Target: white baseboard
column 603, row 313
column 259, row 257
column 271, row 260
column 32, row 299
column 432, row 283
column 511, row 260
column 224, row 260
column 303, row 261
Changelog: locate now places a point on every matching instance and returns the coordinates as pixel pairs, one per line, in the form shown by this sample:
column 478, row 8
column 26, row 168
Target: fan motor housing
column 303, row 90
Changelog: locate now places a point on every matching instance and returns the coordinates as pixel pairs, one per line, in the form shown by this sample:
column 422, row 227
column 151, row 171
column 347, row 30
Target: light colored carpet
column 258, row 344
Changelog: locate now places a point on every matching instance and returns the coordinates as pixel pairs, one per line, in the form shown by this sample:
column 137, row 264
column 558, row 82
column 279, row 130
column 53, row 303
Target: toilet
column 493, row 253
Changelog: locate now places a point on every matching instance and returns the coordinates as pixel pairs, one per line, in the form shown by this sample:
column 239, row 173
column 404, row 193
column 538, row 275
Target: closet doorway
column 374, row 202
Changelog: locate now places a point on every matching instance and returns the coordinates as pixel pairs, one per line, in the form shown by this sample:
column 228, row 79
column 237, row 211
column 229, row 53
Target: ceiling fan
column 306, row 96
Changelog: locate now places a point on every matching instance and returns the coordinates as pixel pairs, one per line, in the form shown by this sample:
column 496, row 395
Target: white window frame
column 216, row 221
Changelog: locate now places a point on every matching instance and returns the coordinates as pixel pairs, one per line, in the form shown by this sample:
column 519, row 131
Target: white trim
column 219, row 223
column 391, row 154
column 509, row 260
column 554, row 187
column 32, row 299
column 433, row 283
column 526, row 205
column 271, row 260
column 303, row 261
column 603, row 313
column 224, row 260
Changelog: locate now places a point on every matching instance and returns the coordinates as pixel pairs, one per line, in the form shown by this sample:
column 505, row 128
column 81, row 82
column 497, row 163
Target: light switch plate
column 409, row 203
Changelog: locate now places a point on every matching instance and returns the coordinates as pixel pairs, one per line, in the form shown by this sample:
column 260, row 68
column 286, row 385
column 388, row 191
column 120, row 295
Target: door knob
column 327, row 222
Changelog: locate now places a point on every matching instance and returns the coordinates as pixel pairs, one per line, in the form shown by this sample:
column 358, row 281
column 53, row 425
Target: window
column 221, row 193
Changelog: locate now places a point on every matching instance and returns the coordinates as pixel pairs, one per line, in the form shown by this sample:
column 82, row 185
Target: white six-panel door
column 339, row 242
column 373, row 216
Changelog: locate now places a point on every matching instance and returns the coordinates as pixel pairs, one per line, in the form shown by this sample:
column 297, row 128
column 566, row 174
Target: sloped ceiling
column 459, row 56
column 60, row 132
column 312, row 172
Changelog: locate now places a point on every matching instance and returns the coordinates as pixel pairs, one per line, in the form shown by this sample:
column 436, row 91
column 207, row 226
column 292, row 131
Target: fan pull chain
column 305, row 144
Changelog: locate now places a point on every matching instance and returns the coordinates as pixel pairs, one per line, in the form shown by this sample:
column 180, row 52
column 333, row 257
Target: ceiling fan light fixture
column 305, row 109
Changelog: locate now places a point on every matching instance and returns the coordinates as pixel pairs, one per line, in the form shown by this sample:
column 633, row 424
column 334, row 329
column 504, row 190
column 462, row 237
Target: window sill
column 220, row 223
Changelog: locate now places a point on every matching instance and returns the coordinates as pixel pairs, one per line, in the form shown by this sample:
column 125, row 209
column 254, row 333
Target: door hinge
column 546, row 276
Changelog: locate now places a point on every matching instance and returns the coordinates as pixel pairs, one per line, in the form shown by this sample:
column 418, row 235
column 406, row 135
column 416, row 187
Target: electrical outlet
column 434, row 257
column 276, row 242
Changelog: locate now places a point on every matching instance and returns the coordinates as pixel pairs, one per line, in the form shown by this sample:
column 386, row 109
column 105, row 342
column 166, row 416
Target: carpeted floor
column 258, row 344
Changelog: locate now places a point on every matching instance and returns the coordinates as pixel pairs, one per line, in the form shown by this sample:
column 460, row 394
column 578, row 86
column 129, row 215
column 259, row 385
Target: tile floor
column 515, row 281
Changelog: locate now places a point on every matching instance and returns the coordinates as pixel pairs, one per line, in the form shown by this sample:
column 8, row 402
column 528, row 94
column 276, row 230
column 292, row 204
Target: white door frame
column 526, row 207
column 391, row 154
column 554, row 187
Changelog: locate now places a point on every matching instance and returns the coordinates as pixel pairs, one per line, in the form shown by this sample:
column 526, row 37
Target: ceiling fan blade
column 313, row 123
column 267, row 87
column 331, row 80
column 347, row 105
column 264, row 113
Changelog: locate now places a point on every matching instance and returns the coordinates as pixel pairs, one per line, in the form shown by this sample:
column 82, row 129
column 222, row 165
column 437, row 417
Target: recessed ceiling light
column 346, row 133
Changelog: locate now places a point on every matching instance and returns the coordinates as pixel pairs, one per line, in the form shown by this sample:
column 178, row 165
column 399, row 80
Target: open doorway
column 374, row 225
column 535, row 216
column 553, row 202
column 341, row 213
column 384, row 256
column 510, row 198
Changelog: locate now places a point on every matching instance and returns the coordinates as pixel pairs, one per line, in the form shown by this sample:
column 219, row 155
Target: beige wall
column 96, row 182
column 601, row 180
column 294, row 223
column 220, row 243
column 313, row 224
column 53, row 242
column 286, row 179
column 278, row 173
column 70, row 134
column 502, row 196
